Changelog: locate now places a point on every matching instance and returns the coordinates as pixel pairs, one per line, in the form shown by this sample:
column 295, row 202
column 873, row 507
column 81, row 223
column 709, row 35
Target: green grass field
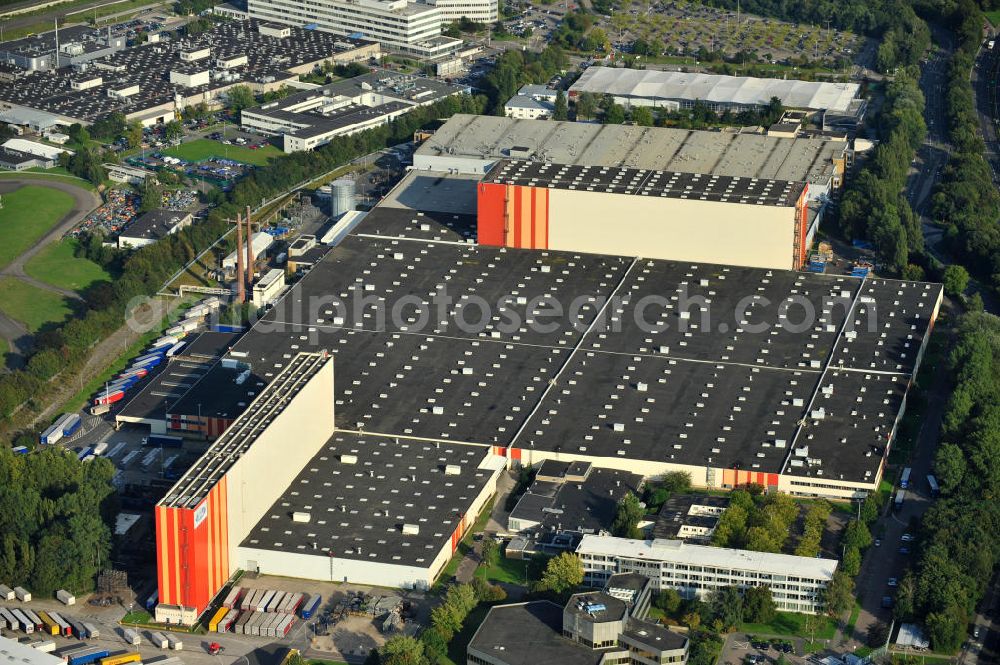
column 513, row 571
column 993, row 16
column 30, row 305
column 201, row 149
column 57, row 266
column 27, row 214
column 792, row 623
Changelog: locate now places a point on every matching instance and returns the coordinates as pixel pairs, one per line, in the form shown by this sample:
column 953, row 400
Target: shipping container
column 68, row 652
column 21, row 594
column 286, row 625
column 86, row 452
column 51, row 627
column 78, row 629
column 99, row 450
column 51, row 435
column 131, row 637
column 164, row 342
column 276, row 602
column 109, row 397
column 121, row 658
column 265, row 601
column 140, row 372
column 250, row 601
column 158, row 640
column 23, row 622
column 64, row 627
column 99, row 409
column 233, row 597
column 6, row 593
column 3, row 623
column 9, row 619
column 92, row 632
column 213, row 623
column 149, row 363
column 158, row 353
column 175, row 349
column 89, row 655
column 34, row 618
column 72, row 424
column 175, row 643
column 226, row 625
column 311, row 606
column 240, row 626
column 295, row 603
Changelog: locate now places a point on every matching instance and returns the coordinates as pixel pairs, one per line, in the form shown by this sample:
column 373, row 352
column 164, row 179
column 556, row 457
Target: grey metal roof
column 744, row 90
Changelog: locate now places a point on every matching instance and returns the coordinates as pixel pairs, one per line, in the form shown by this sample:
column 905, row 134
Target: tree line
column 959, row 549
column 966, row 201
column 65, row 348
column 54, row 512
column 873, row 206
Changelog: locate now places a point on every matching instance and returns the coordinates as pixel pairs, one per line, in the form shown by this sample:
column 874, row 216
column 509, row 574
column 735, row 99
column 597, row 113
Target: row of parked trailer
column 261, row 624
column 264, row 600
column 48, row 622
column 20, row 593
column 65, row 425
column 161, row 350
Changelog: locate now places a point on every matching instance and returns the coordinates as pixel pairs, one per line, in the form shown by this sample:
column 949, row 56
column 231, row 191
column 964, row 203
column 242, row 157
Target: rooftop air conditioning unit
column 411, row 529
column 452, row 470
column 301, row 517
column 348, row 459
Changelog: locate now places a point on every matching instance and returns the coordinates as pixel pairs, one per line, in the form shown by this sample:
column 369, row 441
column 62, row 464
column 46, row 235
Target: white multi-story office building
column 481, row 11
column 396, row 24
column 696, row 570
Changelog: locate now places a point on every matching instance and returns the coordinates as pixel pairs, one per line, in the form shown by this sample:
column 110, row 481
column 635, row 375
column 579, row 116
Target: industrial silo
column 341, row 196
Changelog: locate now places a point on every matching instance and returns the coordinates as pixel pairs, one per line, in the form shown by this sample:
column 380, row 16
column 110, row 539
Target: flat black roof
column 528, row 634
column 644, row 182
column 584, row 507
column 403, row 223
column 155, row 224
column 596, row 607
column 149, row 66
column 655, row 635
column 360, row 491
column 737, row 381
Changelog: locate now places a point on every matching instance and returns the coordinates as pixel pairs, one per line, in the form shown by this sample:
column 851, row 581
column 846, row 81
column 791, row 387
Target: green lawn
column 27, row 214
column 993, row 16
column 57, row 266
column 792, row 623
column 30, row 305
column 138, row 616
column 513, row 571
column 201, row 149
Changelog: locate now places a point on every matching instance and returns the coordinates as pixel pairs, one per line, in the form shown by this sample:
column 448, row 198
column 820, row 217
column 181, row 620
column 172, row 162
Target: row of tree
column 966, row 202
column 960, row 550
column 873, row 207
column 756, row 521
column 54, row 512
column 514, row 69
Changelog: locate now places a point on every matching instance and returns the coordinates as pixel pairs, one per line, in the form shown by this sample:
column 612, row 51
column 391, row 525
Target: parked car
column 904, row 550
column 907, row 538
column 893, row 582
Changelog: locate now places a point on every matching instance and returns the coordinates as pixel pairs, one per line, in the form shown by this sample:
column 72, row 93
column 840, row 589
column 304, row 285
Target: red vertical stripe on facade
column 490, row 211
column 517, row 200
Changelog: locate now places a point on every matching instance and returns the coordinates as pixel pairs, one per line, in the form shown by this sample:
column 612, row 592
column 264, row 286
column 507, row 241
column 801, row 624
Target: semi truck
column 904, row 480
column 88, row 655
column 900, row 497
column 311, row 606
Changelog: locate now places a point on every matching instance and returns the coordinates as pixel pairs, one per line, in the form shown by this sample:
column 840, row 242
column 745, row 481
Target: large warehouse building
column 637, row 212
column 681, row 90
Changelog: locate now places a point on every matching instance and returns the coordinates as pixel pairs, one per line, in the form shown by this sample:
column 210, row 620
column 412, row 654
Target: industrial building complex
column 154, row 81
column 606, row 304
column 682, row 90
column 311, row 118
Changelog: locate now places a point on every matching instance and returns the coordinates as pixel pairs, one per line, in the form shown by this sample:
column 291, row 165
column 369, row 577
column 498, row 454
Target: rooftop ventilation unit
column 452, row 470
column 301, row 517
column 411, row 529
column 348, row 459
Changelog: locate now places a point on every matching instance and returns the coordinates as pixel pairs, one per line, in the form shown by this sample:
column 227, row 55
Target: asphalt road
column 13, row 331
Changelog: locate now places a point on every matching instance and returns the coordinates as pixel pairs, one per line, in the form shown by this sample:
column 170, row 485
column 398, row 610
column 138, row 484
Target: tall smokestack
column 240, row 278
column 250, row 256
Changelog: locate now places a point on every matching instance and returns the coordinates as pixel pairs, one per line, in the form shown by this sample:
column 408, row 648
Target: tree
column 758, row 604
column 586, row 105
column 878, row 633
column 726, row 604
column 838, row 596
column 949, row 466
column 955, row 279
column 402, row 650
column 626, row 522
column 563, row 573
column 857, row 535
column 240, row 97
column 614, row 115
column 561, row 111
column 668, row 600
column 152, row 195
column 173, row 130
column 489, row 552
column 851, row 563
column 642, row 116
column 133, row 134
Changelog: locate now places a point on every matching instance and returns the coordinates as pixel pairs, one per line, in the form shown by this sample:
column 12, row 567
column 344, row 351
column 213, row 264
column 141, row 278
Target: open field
column 202, row 149
column 73, row 14
column 57, row 266
column 57, row 174
column 30, row 305
column 27, row 214
column 793, row 624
